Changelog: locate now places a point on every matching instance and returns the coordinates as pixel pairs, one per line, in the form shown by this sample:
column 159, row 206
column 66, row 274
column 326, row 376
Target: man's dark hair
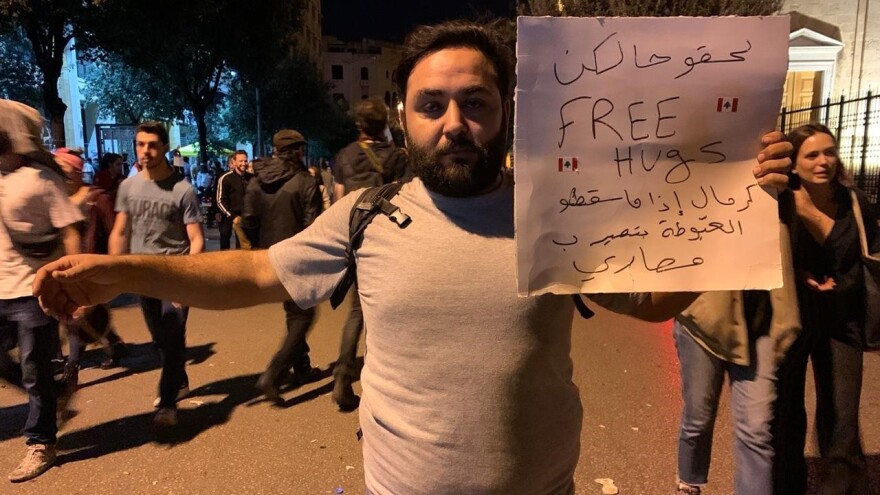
column 238, row 152
column 485, row 38
column 153, row 127
column 371, row 117
column 107, row 160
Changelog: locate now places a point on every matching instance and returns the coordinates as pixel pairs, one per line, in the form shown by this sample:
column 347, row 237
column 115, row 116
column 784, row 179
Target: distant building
column 308, row 39
column 834, row 49
column 361, row 69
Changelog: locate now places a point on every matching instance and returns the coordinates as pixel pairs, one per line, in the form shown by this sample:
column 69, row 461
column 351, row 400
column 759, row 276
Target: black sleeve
column 250, row 216
column 399, row 164
column 312, row 201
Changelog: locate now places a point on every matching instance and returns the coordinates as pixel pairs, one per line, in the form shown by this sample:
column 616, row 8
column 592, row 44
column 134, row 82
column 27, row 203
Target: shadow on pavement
column 135, row 431
column 142, row 358
column 12, row 420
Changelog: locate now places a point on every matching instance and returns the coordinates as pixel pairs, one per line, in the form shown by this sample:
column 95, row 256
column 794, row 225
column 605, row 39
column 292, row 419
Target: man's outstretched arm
column 223, row 280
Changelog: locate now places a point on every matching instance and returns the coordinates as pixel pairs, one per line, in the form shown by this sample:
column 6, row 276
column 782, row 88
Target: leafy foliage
column 192, row 50
column 130, row 95
column 48, row 25
column 292, row 97
column 20, row 79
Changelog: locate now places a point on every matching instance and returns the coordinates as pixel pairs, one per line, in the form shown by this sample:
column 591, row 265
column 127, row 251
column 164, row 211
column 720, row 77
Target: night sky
column 391, row 20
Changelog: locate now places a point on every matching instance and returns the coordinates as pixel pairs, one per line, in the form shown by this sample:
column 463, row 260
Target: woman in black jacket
column 831, row 295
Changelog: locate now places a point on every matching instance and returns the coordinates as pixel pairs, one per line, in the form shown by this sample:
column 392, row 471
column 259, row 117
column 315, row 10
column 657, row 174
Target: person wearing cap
column 282, row 200
column 37, row 227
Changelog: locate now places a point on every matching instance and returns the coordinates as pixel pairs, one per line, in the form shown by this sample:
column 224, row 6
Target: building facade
column 308, row 38
column 361, row 69
column 834, row 49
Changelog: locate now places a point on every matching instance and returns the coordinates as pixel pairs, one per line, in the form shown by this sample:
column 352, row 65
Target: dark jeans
column 38, row 343
column 351, row 334
column 837, row 371
column 225, row 228
column 294, row 351
column 167, row 325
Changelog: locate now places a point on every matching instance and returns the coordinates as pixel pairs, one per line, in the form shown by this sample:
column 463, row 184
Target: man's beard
column 458, row 177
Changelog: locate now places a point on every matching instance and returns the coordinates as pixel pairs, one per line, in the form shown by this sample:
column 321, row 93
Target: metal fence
column 856, row 123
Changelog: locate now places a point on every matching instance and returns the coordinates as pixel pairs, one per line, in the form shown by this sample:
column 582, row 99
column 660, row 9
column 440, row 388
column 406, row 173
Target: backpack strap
column 372, row 202
column 377, row 166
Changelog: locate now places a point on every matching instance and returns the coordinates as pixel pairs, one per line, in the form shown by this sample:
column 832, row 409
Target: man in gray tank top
column 467, row 388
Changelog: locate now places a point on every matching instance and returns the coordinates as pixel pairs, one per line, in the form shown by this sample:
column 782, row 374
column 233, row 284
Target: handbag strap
column 860, row 223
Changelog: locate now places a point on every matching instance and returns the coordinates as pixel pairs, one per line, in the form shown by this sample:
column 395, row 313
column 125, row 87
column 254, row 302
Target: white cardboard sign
column 635, row 141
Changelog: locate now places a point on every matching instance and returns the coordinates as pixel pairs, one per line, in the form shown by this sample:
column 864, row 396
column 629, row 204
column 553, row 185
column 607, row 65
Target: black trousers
column 837, row 371
column 294, row 351
column 225, row 227
column 351, row 334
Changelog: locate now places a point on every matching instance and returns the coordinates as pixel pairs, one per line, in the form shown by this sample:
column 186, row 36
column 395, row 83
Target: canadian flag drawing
column 568, row 164
column 727, row 104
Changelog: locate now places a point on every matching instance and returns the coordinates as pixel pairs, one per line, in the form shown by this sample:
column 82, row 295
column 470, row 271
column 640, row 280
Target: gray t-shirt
column 467, row 388
column 158, row 212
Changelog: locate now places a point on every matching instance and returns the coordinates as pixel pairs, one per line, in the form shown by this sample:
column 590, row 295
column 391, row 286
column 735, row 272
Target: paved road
column 235, row 443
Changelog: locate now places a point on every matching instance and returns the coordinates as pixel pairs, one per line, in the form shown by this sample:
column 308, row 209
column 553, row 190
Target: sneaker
column 685, row 489
column 38, row 460
column 165, row 417
column 343, row 394
column 183, row 392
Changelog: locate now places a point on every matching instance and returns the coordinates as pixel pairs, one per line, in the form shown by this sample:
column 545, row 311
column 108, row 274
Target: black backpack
column 375, row 201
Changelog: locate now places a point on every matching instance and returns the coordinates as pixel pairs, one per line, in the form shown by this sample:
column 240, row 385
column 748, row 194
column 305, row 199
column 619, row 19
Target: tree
column 292, row 96
column 130, row 95
column 20, row 79
column 192, row 45
column 47, row 24
column 660, row 8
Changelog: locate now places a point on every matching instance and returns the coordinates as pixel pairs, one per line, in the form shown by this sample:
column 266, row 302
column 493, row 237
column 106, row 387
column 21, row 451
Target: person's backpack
column 380, row 171
column 372, row 202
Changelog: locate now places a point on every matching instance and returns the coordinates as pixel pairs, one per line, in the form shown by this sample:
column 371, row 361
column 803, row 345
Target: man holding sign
column 466, row 387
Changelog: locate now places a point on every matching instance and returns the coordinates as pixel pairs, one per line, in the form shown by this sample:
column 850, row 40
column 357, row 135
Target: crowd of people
column 437, row 292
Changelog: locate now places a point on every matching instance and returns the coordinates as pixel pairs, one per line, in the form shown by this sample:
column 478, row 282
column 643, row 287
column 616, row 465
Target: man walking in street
column 230, row 202
column 158, row 213
column 37, row 227
column 367, row 162
column 467, row 388
column 282, row 200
